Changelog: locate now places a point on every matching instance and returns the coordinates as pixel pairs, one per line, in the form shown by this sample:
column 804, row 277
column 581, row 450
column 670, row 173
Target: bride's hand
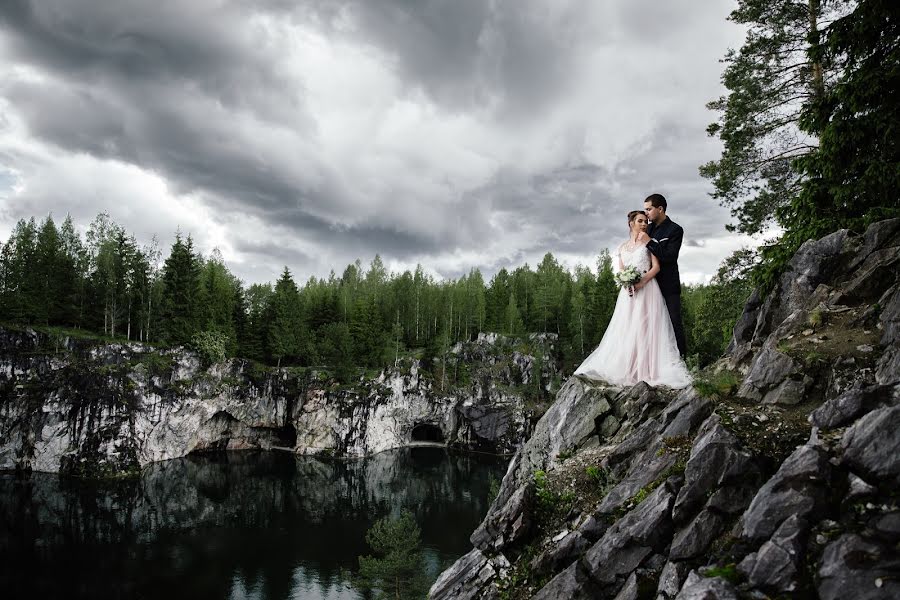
column 643, row 237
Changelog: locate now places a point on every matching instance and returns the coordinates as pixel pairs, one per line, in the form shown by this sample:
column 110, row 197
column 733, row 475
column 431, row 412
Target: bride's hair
column 633, row 215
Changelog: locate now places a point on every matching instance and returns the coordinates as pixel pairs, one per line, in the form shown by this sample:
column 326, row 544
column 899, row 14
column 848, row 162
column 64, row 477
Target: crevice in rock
column 427, row 432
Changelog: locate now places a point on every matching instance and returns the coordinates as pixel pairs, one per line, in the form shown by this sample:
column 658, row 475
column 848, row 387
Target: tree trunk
column 112, row 318
column 581, row 330
column 818, row 77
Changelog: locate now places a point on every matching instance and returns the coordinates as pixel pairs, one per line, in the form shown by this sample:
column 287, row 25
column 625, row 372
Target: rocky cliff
column 97, row 409
column 775, row 475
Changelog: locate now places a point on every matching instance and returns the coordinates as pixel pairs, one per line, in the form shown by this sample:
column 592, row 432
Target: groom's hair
column 657, row 200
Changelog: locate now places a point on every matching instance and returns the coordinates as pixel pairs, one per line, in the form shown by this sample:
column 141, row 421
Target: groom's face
column 654, row 214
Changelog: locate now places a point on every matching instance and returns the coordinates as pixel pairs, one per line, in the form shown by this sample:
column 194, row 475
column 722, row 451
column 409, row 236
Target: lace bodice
column 635, row 254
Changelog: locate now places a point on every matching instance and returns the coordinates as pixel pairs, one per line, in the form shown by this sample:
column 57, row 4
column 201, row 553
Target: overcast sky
column 451, row 133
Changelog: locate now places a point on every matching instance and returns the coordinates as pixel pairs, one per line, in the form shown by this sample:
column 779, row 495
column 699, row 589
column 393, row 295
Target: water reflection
column 233, row 525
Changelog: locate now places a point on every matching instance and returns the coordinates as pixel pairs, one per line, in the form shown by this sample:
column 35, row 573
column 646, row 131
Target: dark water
column 235, row 525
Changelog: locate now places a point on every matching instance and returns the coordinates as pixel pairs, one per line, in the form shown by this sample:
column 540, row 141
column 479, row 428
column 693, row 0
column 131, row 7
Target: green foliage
column 769, row 80
column 335, row 348
column 180, row 299
column 601, row 477
column 852, row 177
column 521, row 581
column 210, row 346
column 710, row 311
column 715, row 385
column 727, row 572
column 396, row 570
column 368, row 317
column 286, row 332
column 816, row 317
column 156, row 363
column 602, row 299
column 493, row 488
column 642, row 494
column 512, row 320
column 810, row 122
column 550, row 503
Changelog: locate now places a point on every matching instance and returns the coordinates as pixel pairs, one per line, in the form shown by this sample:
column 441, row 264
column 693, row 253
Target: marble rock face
column 100, row 409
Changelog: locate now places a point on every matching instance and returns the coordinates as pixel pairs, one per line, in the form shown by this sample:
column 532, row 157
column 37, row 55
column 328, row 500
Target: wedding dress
column 639, row 343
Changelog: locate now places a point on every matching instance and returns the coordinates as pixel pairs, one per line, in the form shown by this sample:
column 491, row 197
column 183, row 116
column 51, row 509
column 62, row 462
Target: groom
column 665, row 243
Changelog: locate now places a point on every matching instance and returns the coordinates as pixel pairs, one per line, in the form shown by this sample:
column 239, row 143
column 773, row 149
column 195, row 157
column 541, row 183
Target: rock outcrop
column 94, row 409
column 786, row 486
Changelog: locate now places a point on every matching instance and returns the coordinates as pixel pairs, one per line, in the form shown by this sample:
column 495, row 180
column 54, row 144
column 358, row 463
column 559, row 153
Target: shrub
column 210, row 346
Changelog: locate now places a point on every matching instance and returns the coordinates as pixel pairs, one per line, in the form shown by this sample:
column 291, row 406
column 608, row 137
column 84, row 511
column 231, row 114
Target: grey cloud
column 671, row 158
column 274, row 253
column 469, row 54
column 165, row 42
column 130, row 76
column 195, row 153
column 194, row 94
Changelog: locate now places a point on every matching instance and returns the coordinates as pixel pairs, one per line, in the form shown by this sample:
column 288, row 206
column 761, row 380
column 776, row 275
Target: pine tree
column 397, row 569
column 181, row 283
column 258, row 299
column 285, row 328
column 71, row 275
column 853, row 177
column 19, row 281
column 46, row 270
column 335, row 349
column 367, row 333
column 497, row 296
column 602, row 299
column 770, row 79
column 512, row 320
column 216, row 299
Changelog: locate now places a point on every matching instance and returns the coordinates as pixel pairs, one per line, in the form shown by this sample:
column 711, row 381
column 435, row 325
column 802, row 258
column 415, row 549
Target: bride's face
column 639, row 224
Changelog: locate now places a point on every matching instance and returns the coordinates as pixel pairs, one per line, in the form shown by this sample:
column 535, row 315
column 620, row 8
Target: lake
column 233, row 525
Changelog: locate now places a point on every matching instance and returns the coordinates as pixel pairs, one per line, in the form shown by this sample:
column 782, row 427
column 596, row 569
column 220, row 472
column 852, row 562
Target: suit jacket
column 665, row 243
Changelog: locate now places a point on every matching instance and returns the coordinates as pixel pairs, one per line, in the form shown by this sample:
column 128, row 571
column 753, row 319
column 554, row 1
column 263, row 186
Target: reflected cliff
column 232, row 525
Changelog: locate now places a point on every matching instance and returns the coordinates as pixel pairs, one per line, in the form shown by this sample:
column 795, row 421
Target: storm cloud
column 455, row 134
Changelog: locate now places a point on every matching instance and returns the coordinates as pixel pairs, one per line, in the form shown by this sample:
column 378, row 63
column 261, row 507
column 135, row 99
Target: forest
column 109, row 285
column 808, row 128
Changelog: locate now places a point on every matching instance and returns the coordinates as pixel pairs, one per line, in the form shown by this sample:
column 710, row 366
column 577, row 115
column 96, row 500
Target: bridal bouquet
column 627, row 277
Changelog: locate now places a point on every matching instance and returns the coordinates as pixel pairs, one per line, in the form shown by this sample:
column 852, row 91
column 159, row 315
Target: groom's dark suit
column 665, row 244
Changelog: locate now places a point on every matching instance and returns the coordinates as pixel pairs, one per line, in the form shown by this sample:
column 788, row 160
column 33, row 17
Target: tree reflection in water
column 231, row 525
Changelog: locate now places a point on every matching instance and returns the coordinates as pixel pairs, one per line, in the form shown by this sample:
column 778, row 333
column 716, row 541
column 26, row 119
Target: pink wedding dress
column 639, row 343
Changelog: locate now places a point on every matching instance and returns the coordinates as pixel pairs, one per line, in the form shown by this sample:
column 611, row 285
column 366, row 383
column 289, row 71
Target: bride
column 639, row 343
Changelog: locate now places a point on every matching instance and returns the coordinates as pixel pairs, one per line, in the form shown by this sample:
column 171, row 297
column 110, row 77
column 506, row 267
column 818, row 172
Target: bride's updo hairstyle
column 632, row 216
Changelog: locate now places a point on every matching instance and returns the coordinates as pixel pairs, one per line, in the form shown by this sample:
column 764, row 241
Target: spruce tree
column 396, row 570
column 853, row 177
column 19, row 278
column 181, row 282
column 602, row 300
column 285, row 328
column 71, row 275
column 46, row 298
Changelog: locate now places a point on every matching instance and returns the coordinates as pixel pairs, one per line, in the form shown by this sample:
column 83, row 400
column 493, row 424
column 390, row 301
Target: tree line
column 108, row 284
